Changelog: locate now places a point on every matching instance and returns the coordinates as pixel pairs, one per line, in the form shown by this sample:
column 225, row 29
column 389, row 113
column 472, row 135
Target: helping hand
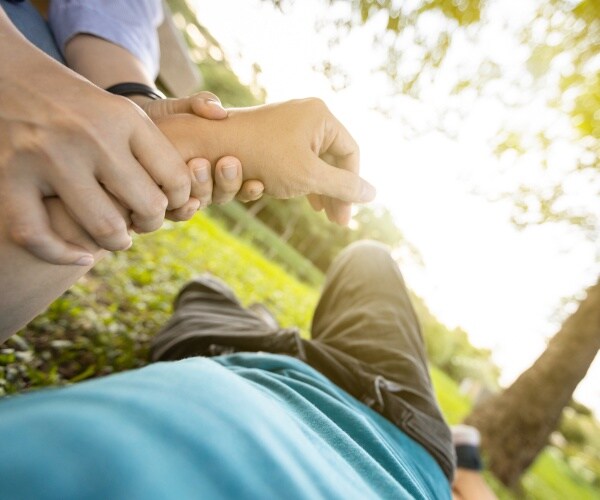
column 228, row 183
column 294, row 148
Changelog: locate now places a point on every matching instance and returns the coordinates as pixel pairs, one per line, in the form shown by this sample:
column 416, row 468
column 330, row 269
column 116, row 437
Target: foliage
column 451, row 351
column 206, row 52
column 310, row 233
column 252, row 230
column 410, row 39
column 104, row 323
column 562, row 38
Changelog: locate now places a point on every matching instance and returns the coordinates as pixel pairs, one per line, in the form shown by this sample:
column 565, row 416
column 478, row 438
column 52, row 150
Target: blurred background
column 479, row 124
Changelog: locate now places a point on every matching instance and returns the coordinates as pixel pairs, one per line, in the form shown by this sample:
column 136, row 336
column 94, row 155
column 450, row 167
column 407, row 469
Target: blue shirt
column 130, row 24
column 239, row 426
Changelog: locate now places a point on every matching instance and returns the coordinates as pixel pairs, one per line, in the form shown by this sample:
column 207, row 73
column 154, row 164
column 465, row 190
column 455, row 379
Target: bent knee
column 366, row 257
column 367, row 249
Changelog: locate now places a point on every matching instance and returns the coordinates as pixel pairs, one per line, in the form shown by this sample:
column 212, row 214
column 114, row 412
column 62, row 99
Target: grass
column 104, row 323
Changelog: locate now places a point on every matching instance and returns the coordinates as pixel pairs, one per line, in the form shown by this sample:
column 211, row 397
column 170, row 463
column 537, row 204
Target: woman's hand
column 294, row 148
column 226, row 183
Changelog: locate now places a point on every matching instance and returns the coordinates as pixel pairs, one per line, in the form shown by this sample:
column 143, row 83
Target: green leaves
column 104, row 323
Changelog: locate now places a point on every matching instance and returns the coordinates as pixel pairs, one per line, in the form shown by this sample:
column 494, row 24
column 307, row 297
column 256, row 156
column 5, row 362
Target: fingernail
column 201, row 174
column 367, row 192
column 230, row 172
column 210, row 102
column 85, row 260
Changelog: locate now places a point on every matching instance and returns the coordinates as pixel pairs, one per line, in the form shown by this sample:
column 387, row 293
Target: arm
column 470, row 485
column 29, row 284
column 111, row 42
column 58, row 137
column 105, row 63
column 294, row 148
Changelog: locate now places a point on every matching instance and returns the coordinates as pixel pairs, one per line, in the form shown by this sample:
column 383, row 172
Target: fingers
column 207, row 105
column 202, row 183
column 228, row 179
column 226, row 185
column 95, row 212
column 204, row 104
column 137, row 191
column 338, row 183
column 337, row 211
column 343, row 153
column 251, row 190
column 164, row 164
column 29, row 227
column 184, row 213
column 315, row 201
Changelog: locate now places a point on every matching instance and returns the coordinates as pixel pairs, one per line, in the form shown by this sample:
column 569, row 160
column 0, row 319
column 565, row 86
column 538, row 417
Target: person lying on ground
column 236, row 406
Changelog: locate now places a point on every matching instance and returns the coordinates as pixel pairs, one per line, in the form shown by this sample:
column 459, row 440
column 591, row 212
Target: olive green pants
column 365, row 338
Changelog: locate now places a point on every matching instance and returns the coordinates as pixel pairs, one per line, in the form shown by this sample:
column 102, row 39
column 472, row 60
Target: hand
column 228, row 182
column 226, row 186
column 294, row 148
column 61, row 135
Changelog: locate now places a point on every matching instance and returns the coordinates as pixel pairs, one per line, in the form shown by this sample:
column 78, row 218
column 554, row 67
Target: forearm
column 470, row 485
column 104, row 63
column 18, row 55
column 29, row 284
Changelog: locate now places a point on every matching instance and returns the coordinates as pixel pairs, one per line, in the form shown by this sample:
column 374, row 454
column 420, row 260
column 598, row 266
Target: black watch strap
column 132, row 88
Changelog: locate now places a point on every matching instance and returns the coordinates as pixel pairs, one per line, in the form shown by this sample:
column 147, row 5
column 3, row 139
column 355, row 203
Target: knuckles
column 106, row 227
column 26, row 235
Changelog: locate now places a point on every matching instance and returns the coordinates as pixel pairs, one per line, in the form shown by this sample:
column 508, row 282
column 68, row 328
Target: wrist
column 140, row 100
column 196, row 137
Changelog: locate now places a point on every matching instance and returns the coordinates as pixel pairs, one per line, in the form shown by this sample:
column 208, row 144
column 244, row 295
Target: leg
column 367, row 339
column 209, row 320
column 365, row 312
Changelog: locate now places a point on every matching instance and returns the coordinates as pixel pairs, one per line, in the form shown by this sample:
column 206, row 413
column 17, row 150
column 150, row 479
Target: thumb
column 339, row 183
column 208, row 107
column 202, row 105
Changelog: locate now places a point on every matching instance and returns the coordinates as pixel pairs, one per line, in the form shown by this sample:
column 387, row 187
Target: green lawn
column 104, row 323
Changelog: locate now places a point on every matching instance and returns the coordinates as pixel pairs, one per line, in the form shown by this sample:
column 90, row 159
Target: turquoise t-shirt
column 239, row 426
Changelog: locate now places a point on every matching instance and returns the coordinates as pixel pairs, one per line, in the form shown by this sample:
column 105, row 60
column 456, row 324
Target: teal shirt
column 239, row 426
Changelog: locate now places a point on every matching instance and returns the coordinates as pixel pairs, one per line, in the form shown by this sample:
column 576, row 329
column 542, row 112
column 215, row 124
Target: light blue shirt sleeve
column 132, row 25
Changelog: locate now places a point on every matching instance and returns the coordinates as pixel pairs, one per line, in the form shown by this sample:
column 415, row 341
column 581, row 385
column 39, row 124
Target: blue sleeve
column 131, row 25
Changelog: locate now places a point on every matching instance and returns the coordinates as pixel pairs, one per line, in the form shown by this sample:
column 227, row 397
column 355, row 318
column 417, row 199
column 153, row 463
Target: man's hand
column 294, row 148
column 61, row 135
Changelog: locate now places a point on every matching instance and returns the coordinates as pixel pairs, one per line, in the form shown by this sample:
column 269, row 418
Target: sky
column 501, row 285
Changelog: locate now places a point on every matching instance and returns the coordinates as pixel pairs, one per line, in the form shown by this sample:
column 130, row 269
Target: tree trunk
column 515, row 424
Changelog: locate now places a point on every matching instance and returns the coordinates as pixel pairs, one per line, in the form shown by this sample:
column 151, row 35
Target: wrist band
column 466, row 441
column 132, row 88
column 468, row 457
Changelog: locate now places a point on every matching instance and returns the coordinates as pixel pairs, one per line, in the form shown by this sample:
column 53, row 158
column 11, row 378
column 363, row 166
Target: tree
column 516, row 423
column 563, row 63
column 562, row 40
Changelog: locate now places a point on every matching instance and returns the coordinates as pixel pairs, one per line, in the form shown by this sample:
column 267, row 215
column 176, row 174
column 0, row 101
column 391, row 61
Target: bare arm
column 29, row 284
column 58, row 136
column 470, row 485
column 105, row 64
column 294, row 148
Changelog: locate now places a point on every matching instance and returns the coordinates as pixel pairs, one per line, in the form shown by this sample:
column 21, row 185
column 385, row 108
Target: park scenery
column 479, row 125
